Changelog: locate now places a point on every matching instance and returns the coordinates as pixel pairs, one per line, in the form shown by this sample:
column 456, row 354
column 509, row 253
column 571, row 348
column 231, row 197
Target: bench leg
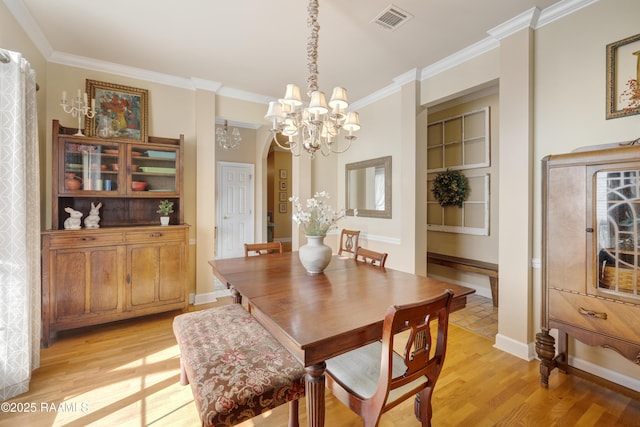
column 293, row 413
column 183, row 374
column 493, row 281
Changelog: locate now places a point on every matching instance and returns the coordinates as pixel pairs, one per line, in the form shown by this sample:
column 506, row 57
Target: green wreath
column 450, row 188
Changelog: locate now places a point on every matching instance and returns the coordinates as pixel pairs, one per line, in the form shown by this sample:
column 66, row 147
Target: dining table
column 319, row 316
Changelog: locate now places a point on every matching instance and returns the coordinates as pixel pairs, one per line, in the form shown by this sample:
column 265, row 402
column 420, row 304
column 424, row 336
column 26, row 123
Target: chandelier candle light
column 318, row 126
column 79, row 108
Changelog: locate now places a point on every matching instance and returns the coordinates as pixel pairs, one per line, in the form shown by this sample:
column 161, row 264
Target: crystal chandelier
column 226, row 141
column 317, row 126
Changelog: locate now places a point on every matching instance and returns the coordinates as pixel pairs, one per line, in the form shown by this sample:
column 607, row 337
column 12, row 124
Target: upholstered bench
column 236, row 368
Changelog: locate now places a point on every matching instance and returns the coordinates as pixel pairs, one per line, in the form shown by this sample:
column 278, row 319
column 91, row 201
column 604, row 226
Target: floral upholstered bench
column 236, row 368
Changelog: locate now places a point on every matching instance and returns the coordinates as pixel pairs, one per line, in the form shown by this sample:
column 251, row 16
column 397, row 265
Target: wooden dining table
column 319, row 316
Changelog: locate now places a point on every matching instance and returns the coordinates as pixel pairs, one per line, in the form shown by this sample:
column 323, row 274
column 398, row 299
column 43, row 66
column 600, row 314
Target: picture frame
column 283, row 208
column 623, row 68
column 283, row 174
column 126, row 106
column 283, row 196
column 283, row 185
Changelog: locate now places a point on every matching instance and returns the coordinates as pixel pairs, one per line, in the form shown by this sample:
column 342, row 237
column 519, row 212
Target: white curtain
column 19, row 226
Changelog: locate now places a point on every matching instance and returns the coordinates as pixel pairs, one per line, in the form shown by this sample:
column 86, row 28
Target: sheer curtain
column 19, row 226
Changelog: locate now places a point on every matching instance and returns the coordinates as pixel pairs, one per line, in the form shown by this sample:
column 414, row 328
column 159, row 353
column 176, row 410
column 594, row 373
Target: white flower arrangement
column 319, row 216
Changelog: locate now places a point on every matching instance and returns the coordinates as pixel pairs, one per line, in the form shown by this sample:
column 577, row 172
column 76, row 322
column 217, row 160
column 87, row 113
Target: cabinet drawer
column 154, row 235
column 75, row 239
column 620, row 320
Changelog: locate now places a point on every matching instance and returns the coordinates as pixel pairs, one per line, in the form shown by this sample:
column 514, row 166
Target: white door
column 235, row 208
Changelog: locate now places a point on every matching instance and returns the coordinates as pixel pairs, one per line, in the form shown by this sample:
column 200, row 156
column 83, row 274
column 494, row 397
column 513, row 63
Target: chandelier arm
column 342, row 151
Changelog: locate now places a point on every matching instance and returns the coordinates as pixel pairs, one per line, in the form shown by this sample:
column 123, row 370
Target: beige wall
column 569, row 111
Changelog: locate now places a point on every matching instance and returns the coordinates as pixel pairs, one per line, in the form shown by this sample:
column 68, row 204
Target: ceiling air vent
column 392, row 17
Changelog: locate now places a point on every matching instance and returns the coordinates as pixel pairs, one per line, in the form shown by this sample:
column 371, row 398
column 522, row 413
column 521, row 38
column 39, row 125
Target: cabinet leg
column 545, row 348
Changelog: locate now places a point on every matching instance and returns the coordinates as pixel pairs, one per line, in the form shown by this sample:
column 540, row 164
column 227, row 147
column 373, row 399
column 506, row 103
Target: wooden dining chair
column 262, row 248
column 348, row 241
column 371, row 257
column 373, row 379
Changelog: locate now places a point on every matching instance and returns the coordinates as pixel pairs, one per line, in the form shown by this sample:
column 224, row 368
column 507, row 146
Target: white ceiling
column 258, row 46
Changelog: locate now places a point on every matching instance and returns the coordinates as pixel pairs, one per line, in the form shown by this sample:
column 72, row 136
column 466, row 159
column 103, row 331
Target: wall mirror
column 368, row 187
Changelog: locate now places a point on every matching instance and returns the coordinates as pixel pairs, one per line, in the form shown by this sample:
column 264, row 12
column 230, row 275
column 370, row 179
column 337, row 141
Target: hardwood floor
column 127, row 374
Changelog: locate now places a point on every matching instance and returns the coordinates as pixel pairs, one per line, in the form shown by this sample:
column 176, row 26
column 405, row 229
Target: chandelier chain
column 312, row 47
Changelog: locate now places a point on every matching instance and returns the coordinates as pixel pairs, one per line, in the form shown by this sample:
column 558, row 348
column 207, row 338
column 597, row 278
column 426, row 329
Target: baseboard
column 209, row 297
column 515, row 348
column 604, row 373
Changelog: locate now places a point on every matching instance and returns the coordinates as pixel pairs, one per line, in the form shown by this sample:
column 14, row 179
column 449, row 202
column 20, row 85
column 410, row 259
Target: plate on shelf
column 161, row 154
column 74, row 166
column 110, row 152
column 136, row 154
column 154, row 169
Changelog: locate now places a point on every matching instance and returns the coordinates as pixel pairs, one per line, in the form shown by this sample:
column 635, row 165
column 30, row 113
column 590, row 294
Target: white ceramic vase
column 315, row 256
column 164, row 220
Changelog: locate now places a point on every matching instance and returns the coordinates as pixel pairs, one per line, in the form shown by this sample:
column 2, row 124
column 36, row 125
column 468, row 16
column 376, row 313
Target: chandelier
column 226, row 141
column 319, row 125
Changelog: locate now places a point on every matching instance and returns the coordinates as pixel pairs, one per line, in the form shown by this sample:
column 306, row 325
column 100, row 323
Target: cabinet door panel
column 566, row 228
column 143, row 262
column 70, row 275
column 172, row 267
column 104, row 280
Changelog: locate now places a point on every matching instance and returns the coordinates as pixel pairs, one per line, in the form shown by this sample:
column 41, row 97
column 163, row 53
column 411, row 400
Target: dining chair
column 348, row 241
column 262, row 248
column 371, row 257
column 373, row 379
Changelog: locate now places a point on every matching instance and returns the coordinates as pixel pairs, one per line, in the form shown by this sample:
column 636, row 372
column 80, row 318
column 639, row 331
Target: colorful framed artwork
column 283, row 208
column 283, row 174
column 126, row 107
column 623, row 77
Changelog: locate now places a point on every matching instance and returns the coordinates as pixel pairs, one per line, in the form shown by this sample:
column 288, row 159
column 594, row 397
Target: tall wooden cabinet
column 129, row 266
column 591, row 254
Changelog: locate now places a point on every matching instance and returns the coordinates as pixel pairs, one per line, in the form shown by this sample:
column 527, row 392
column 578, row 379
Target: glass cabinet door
column 617, row 210
column 153, row 170
column 90, row 167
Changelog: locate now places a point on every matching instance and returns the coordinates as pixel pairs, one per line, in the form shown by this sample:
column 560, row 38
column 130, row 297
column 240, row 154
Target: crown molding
column 29, row 25
column 236, row 124
column 526, row 19
column 460, row 57
column 560, row 10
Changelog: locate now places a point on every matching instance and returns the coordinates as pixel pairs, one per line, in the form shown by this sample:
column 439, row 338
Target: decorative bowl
column 138, row 185
column 114, row 166
column 134, row 168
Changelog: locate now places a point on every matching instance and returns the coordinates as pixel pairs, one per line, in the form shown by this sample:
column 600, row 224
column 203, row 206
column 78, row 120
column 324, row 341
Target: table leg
column 314, row 389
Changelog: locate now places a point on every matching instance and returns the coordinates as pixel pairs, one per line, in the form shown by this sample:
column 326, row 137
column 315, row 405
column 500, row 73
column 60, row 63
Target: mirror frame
column 381, row 161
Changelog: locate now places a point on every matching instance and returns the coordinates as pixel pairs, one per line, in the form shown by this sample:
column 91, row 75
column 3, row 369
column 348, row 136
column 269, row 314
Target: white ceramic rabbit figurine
column 73, row 222
column 93, row 219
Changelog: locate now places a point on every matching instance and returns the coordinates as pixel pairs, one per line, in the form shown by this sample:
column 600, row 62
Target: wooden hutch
column 591, row 254
column 130, row 266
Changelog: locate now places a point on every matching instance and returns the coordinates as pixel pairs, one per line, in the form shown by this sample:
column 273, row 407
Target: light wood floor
column 126, row 374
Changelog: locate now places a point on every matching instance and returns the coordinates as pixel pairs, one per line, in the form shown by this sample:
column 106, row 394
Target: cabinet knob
column 87, row 239
column 589, row 230
column 155, row 235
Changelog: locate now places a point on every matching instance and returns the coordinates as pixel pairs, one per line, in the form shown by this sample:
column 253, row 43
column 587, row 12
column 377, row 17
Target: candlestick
column 79, row 108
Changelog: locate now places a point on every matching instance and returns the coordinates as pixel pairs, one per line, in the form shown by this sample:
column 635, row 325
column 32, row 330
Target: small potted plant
column 164, row 209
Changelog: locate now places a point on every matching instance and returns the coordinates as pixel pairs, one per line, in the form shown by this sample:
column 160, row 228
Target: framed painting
column 283, row 174
column 623, row 76
column 283, row 185
column 126, row 107
column 283, row 196
column 283, row 208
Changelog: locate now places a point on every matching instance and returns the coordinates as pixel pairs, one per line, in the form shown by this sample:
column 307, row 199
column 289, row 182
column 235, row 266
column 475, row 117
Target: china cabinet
column 129, row 266
column 591, row 254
